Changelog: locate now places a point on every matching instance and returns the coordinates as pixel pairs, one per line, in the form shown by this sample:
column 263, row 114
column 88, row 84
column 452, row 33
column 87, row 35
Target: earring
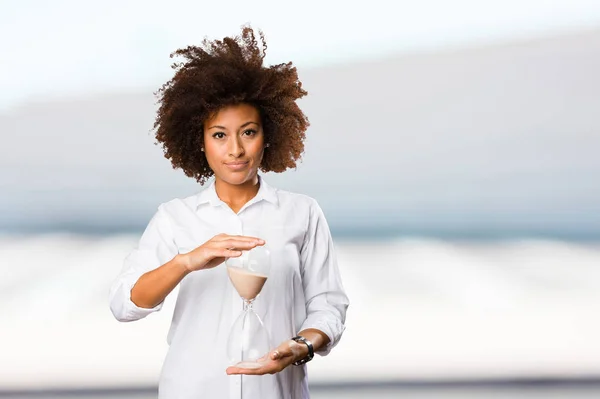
column 202, row 149
column 267, row 145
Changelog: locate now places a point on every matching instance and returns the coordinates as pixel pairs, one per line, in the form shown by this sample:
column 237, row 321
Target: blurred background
column 454, row 147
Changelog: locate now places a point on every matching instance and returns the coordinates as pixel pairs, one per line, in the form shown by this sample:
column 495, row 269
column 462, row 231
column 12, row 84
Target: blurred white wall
column 69, row 47
column 502, row 137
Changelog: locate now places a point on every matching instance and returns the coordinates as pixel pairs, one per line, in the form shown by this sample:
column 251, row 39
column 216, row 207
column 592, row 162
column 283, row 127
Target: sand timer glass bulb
column 248, row 339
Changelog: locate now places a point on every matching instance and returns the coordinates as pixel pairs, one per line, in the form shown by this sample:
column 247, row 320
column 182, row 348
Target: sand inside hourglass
column 248, row 284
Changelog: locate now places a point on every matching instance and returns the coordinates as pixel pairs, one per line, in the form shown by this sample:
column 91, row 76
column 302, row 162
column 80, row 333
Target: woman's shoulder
column 179, row 204
column 296, row 199
column 300, row 206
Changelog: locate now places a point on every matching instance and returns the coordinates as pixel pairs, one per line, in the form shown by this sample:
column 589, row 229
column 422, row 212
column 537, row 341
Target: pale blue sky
column 52, row 49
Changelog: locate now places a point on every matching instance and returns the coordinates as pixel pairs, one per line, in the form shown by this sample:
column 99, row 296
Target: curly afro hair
column 226, row 72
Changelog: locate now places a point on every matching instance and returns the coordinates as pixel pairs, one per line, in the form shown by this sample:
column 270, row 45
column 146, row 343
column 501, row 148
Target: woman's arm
column 326, row 299
column 318, row 339
column 155, row 248
column 153, row 269
column 153, row 287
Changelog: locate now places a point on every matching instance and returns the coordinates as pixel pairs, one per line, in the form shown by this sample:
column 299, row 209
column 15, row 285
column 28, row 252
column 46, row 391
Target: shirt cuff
column 123, row 307
column 135, row 311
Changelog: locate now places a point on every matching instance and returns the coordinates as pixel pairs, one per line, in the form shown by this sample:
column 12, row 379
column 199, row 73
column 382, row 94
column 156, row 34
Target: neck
column 236, row 195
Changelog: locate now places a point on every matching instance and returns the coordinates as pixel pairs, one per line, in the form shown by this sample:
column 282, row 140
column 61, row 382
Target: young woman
column 226, row 115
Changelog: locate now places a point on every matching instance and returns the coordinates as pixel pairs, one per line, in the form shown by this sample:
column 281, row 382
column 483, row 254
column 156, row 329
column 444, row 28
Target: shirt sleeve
column 155, row 248
column 326, row 300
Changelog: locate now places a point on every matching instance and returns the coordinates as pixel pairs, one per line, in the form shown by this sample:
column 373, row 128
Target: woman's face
column 234, row 143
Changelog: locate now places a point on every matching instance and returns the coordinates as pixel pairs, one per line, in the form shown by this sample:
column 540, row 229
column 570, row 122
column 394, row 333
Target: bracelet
column 311, row 352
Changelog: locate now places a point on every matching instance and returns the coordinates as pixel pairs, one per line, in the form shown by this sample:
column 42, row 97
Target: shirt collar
column 265, row 192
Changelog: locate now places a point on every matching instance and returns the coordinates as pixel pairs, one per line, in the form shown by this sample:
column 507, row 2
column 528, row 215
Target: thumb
column 284, row 350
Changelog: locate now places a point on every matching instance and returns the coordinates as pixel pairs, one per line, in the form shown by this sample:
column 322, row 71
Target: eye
column 250, row 132
column 219, row 135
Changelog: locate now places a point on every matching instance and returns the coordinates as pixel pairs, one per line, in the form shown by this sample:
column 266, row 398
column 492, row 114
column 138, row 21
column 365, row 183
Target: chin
column 236, row 178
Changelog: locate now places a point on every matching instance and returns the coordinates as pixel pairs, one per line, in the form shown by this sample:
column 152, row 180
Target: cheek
column 214, row 147
column 256, row 147
column 212, row 154
column 257, row 152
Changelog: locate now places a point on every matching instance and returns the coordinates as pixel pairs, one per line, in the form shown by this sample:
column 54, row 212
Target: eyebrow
column 224, row 128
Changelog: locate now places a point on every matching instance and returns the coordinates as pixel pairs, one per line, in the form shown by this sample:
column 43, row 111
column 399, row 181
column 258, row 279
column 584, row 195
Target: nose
column 236, row 149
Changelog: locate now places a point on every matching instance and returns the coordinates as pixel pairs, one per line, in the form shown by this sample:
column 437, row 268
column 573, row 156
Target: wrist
column 183, row 263
column 307, row 351
column 300, row 350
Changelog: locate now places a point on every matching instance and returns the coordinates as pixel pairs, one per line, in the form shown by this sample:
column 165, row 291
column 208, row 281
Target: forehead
column 234, row 115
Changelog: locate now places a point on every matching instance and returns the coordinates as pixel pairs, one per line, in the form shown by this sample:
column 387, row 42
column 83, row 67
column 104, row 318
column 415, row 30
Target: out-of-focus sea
column 429, row 318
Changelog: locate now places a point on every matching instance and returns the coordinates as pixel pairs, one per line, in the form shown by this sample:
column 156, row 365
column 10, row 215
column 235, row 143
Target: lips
column 237, row 165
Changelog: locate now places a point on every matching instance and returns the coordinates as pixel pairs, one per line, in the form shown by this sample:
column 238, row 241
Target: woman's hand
column 275, row 361
column 214, row 252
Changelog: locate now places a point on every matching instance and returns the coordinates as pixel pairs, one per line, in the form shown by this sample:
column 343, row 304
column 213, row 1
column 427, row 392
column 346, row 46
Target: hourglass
column 248, row 338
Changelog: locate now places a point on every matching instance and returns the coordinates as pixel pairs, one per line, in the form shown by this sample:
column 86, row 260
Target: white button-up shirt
column 304, row 290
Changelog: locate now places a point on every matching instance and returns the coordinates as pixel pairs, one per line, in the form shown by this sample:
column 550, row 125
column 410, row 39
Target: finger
column 226, row 253
column 238, row 244
column 239, row 370
column 277, row 354
column 260, row 240
column 225, row 237
column 270, row 368
column 285, row 349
